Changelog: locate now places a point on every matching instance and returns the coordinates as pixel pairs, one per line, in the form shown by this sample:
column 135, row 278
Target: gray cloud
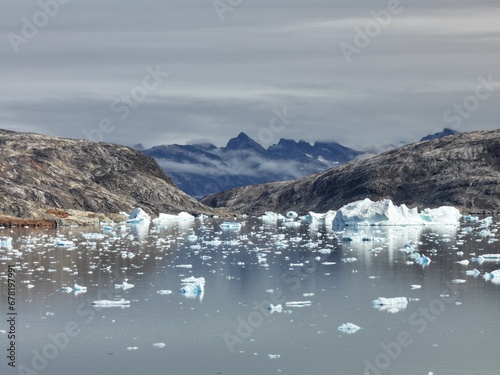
column 227, row 77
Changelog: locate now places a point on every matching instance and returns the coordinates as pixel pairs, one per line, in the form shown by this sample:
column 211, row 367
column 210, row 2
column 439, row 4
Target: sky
column 362, row 73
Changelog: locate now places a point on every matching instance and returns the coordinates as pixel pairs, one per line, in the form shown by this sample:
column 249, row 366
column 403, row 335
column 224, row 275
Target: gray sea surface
column 450, row 325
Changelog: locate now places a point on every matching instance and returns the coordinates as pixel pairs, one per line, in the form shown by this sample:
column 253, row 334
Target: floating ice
column 383, row 303
column 471, row 219
column 159, row 345
column 105, row 302
column 164, row 292
column 271, row 217
column 192, row 238
column 66, row 289
column 349, row 328
column 63, row 243
column 464, row 262
column 458, row 281
column 230, row 225
column 384, row 212
column 193, row 287
column 349, row 260
column 273, row 356
column 5, row 242
column 277, row 308
column 80, row 288
column 298, row 303
column 486, row 222
column 493, row 276
column 124, row 285
column 138, row 215
column 473, row 272
column 416, row 286
column 489, row 257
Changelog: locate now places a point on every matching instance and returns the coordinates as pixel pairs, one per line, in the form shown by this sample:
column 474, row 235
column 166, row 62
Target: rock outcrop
column 40, row 174
column 461, row 170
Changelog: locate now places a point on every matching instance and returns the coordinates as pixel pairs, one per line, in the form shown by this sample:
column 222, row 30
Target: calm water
column 446, row 328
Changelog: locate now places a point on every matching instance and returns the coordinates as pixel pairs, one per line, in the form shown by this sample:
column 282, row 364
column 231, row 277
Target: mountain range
column 462, row 170
column 203, row 169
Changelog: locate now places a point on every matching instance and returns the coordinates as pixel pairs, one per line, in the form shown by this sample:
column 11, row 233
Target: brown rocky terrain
column 42, row 177
column 461, row 170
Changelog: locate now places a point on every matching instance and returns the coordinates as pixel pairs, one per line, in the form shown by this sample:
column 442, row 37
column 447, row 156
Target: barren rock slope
column 461, row 170
column 39, row 172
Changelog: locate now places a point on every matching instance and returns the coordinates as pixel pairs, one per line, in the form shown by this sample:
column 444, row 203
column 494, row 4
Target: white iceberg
column 493, row 276
column 271, row 217
column 349, row 328
column 138, row 215
column 384, row 212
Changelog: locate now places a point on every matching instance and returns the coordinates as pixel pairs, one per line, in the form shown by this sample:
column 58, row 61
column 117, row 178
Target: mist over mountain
column 202, row 169
column 461, row 170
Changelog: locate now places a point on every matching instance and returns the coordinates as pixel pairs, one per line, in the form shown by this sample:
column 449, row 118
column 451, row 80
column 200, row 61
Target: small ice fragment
column 159, row 345
column 473, row 272
column 298, row 303
column 307, row 294
column 273, row 356
column 415, row 286
column 349, row 328
column 387, row 303
column 184, row 266
column 29, row 286
column 464, row 262
column 164, row 292
column 80, row 288
column 349, row 260
column 277, row 308
column 105, row 302
column 458, row 281
column 132, row 348
column 328, row 263
column 66, row 289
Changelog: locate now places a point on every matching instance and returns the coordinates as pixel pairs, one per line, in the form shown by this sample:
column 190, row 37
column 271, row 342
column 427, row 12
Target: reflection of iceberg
column 349, row 328
column 384, row 212
column 384, row 304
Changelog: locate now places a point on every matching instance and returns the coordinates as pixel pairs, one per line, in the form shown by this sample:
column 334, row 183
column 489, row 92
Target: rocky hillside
column 462, row 170
column 40, row 173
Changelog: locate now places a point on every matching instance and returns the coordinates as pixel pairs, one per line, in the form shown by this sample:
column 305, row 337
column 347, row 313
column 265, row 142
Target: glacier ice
column 384, row 212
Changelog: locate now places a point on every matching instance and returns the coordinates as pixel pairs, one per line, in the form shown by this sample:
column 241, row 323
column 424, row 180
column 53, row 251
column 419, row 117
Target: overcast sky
column 238, row 65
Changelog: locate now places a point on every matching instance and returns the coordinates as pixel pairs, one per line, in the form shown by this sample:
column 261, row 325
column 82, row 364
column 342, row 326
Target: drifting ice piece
column 349, row 328
column 79, row 288
column 138, row 216
column 105, row 302
column 230, row 225
column 494, row 276
column 5, row 242
column 271, row 217
column 277, row 308
column 192, row 287
column 298, row 303
column 473, row 272
column 384, row 212
column 390, row 303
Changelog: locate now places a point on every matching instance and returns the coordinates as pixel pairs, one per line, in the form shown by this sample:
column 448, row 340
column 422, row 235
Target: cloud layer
column 228, row 76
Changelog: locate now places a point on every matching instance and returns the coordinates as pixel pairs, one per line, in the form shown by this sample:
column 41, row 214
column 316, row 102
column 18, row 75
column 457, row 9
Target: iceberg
column 384, row 212
column 493, row 276
column 138, row 215
column 349, row 328
column 271, row 217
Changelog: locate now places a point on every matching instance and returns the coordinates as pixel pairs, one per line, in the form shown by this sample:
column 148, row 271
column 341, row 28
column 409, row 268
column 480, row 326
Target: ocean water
column 450, row 324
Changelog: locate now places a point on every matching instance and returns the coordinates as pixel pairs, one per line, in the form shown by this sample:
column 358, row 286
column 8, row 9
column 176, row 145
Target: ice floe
column 349, row 328
column 390, row 304
column 105, row 302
